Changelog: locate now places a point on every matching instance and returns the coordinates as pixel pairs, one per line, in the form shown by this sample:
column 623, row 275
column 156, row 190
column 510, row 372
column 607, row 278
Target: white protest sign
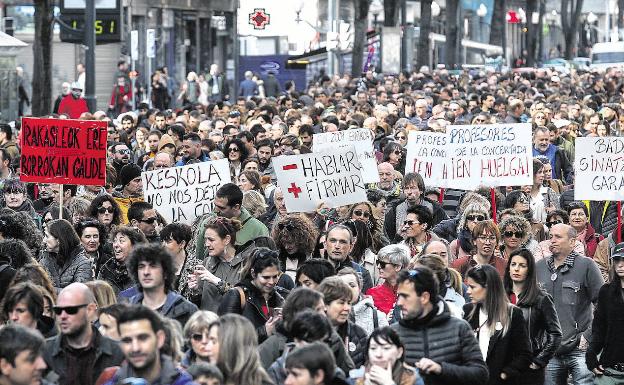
column 599, row 169
column 361, row 139
column 181, row 194
column 333, row 178
column 426, row 155
column 489, row 155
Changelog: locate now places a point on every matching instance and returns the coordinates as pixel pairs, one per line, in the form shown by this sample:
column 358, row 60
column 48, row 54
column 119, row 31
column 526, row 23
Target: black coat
column 543, row 327
column 509, row 353
column 355, row 338
column 231, row 303
column 607, row 338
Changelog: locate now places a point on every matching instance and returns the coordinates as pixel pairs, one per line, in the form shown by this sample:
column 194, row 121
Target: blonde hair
column 199, row 321
column 254, row 202
column 103, row 293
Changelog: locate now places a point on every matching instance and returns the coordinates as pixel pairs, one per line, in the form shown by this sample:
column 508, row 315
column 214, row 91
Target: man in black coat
column 271, row 86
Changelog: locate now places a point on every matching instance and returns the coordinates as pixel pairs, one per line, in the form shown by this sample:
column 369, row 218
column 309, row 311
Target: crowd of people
column 416, row 285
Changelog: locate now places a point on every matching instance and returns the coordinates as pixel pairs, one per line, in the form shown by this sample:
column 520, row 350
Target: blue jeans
column 573, row 364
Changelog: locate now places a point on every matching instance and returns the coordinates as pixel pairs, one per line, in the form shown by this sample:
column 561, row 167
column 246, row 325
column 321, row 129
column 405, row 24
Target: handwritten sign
column 599, row 168
column 333, row 178
column 489, row 155
column 181, row 194
column 361, row 139
column 426, row 155
column 63, row 151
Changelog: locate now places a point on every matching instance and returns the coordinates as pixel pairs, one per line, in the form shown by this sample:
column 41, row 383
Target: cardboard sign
column 361, row 139
column 599, row 169
column 489, row 155
column 426, row 155
column 181, row 194
column 63, row 151
column 333, row 178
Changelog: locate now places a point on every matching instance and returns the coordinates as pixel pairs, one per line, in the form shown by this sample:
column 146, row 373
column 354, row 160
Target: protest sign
column 181, row 194
column 599, row 168
column 63, row 151
column 361, row 139
column 489, row 155
column 426, row 155
column 333, row 178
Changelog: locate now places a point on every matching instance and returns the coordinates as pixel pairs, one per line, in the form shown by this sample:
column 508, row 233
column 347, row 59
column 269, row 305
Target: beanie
column 165, row 140
column 129, row 172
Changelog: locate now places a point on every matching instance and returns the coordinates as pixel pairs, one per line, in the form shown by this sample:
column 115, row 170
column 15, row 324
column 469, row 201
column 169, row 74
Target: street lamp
column 435, row 9
column 376, row 8
column 481, row 13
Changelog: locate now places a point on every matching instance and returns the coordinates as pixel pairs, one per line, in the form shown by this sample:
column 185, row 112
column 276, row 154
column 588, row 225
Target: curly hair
column 152, row 253
column 519, row 223
column 296, row 229
column 35, row 273
column 224, row 226
column 244, row 153
column 15, row 251
column 97, row 203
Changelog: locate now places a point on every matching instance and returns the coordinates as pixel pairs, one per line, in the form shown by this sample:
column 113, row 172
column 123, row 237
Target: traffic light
column 512, row 17
column 9, row 29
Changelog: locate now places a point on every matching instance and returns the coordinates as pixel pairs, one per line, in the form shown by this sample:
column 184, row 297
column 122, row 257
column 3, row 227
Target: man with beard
column 128, row 124
column 130, row 189
column 121, row 155
column 442, row 347
column 73, row 105
column 264, row 149
column 387, row 184
column 143, row 335
column 79, row 354
column 561, row 166
column 46, row 198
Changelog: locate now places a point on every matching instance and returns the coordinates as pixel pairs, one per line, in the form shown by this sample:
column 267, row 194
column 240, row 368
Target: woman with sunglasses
column 255, row 297
column 520, row 201
column 197, row 336
column 516, row 232
column 472, row 214
column 295, row 237
column 367, row 213
column 105, row 209
column 393, row 154
column 390, row 261
column 236, row 152
column 114, row 271
column 416, row 229
column 401, row 137
column 486, row 238
column 538, row 309
column 498, row 325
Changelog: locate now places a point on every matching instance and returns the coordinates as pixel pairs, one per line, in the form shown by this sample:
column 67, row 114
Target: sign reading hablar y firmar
column 63, row 151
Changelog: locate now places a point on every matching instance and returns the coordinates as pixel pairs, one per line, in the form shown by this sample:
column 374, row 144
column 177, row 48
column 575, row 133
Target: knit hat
column 165, row 140
column 129, row 172
column 618, row 251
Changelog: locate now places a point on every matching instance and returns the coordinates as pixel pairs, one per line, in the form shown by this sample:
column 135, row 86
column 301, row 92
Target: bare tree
column 620, row 21
column 425, row 28
column 570, row 14
column 532, row 31
column 391, row 13
column 42, row 61
column 452, row 32
column 359, row 35
column 498, row 23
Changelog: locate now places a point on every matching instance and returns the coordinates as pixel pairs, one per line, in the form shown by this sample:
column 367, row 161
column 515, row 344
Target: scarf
column 465, row 240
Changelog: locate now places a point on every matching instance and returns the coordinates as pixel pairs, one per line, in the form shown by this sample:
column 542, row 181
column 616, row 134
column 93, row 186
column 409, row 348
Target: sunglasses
column 286, row 226
column 400, row 137
column 233, row 149
column 123, row 151
column 517, row 234
column 361, row 213
column 103, row 210
column 198, row 337
column 410, row 223
column 397, row 152
column 478, row 218
column 552, row 223
column 149, row 220
column 71, row 310
column 382, row 264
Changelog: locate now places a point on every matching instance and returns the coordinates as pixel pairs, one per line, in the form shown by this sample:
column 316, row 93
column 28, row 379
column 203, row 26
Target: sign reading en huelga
column 361, row 139
column 64, row 151
column 181, row 194
column 426, row 155
column 599, row 168
column 333, row 178
column 489, row 155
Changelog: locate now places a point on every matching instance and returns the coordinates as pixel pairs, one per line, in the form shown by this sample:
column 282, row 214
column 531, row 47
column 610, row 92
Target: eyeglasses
column 517, row 234
column 103, row 210
column 397, row 152
column 233, row 149
column 287, row 226
column 123, row 151
column 552, row 223
column 486, row 239
column 71, row 310
column 198, row 337
column 478, row 218
column 410, row 223
column 400, row 137
column 361, row 213
column 149, row 220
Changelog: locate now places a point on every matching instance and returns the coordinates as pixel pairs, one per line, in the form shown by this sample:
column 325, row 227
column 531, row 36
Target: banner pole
column 493, row 199
column 619, row 222
column 61, row 193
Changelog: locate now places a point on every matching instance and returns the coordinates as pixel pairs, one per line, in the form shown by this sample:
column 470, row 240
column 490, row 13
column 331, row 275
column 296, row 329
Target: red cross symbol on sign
column 294, row 189
column 259, row 18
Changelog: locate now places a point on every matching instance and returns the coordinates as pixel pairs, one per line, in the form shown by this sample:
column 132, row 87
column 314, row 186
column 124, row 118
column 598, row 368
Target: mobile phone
column 277, row 312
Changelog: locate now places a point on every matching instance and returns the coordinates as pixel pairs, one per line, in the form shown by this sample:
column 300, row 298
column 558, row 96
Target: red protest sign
column 64, row 151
